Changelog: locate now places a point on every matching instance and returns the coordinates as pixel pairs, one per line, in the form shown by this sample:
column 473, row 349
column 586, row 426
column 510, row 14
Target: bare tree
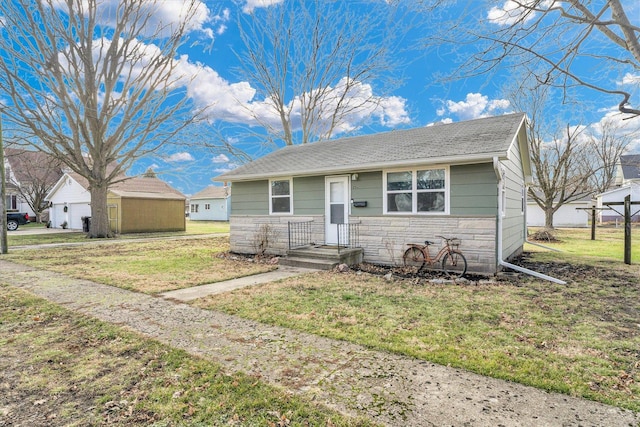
column 609, row 141
column 316, row 65
column 33, row 173
column 569, row 162
column 560, row 154
column 565, row 44
column 94, row 83
column 562, row 171
column 4, row 248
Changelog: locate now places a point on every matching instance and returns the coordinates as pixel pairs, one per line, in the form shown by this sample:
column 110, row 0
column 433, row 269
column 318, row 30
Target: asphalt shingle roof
column 212, row 192
column 630, row 166
column 138, row 186
column 473, row 139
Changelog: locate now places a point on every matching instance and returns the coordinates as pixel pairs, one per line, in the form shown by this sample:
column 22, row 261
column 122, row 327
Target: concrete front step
column 322, row 257
column 320, row 264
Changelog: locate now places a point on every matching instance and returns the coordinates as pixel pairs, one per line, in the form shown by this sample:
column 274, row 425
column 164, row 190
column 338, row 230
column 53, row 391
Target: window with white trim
column 280, row 196
column 422, row 191
column 207, row 206
column 194, row 208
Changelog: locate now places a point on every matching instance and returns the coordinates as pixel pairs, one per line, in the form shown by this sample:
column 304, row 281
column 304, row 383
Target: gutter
column 496, row 167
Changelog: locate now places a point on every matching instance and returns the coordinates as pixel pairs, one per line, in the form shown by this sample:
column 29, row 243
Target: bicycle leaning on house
column 451, row 258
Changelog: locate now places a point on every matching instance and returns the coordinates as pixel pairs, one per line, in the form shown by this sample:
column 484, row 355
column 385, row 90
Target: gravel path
column 391, row 389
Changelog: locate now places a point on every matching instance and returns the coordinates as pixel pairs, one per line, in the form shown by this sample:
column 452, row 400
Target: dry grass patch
column 150, row 267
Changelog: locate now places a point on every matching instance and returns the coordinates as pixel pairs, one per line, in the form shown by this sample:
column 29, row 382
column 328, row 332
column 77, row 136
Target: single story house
column 466, row 179
column 617, row 195
column 211, row 204
column 569, row 215
column 137, row 204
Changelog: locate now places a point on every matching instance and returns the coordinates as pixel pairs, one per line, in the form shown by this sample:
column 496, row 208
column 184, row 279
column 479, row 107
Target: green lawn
column 609, row 243
column 150, row 267
column 60, row 368
column 192, row 228
column 581, row 339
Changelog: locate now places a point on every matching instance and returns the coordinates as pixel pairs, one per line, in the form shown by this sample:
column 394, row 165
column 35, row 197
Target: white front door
column 336, row 208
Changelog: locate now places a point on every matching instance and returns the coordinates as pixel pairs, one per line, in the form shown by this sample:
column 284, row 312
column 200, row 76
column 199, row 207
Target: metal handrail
column 299, row 234
column 348, row 235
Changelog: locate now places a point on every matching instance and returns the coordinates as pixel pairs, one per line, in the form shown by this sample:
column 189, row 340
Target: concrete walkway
column 189, row 294
column 391, row 389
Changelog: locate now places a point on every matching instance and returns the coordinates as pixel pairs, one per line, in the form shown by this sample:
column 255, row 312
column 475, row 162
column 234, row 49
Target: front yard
column 581, row 339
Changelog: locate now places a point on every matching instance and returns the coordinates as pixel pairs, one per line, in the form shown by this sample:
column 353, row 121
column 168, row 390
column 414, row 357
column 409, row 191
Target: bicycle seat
column 428, row 242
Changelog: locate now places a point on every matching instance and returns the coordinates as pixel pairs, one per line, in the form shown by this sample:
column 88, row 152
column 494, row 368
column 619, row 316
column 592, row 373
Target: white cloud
column 474, row 106
column 229, row 168
column 512, row 12
column 615, row 120
column 250, row 5
column 359, row 106
column 236, row 103
column 161, row 14
column 220, row 159
column 180, row 157
column 630, row 79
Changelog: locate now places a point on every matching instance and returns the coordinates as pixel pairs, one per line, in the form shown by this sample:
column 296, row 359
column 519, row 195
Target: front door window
column 336, row 208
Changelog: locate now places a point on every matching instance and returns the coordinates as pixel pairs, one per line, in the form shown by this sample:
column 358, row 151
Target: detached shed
column 145, row 204
column 136, row 205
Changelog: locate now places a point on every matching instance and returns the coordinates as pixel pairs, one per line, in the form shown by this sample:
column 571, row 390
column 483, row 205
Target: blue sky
column 210, row 66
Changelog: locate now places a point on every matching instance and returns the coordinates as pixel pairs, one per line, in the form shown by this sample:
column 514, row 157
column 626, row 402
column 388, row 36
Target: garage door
column 76, row 212
column 58, row 215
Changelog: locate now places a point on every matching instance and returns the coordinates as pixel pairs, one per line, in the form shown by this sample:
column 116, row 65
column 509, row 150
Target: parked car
column 15, row 219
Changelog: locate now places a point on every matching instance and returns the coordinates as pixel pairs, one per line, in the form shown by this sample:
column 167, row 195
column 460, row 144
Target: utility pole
column 4, row 248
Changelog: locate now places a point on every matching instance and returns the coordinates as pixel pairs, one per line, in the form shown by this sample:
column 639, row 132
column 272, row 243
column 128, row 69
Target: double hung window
column 280, row 196
column 421, row 191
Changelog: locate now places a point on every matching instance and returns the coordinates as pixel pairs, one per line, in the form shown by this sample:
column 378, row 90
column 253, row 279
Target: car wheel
column 12, row 225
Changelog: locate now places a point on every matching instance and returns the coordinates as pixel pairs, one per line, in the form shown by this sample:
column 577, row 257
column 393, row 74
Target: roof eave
column 451, row 160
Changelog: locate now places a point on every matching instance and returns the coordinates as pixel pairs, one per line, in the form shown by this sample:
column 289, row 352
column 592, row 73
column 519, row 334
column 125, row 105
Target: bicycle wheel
column 414, row 257
column 454, row 264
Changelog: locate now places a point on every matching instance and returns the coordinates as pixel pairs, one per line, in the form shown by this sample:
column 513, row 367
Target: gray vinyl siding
column 368, row 188
column 308, row 195
column 513, row 233
column 250, row 198
column 474, row 190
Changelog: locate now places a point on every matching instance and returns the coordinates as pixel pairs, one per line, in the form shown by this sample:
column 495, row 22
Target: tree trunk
column 548, row 218
column 100, row 226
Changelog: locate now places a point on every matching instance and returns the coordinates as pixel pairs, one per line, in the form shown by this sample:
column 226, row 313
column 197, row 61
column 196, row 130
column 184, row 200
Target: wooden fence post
column 627, row 229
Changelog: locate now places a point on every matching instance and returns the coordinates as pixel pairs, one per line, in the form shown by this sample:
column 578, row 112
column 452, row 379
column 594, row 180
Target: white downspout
column 496, row 167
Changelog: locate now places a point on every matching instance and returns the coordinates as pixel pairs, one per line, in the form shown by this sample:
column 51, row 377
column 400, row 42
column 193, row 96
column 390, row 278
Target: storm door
column 336, row 210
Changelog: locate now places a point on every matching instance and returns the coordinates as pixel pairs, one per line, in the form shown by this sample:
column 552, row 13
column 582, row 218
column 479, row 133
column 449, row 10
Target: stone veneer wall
column 383, row 238
column 246, row 228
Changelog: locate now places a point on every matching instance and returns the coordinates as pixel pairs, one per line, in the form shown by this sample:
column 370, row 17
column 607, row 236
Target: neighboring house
column 627, row 182
column 464, row 179
column 29, row 176
column 137, row 204
column 569, row 215
column 211, row 204
column 617, row 195
column 628, row 170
